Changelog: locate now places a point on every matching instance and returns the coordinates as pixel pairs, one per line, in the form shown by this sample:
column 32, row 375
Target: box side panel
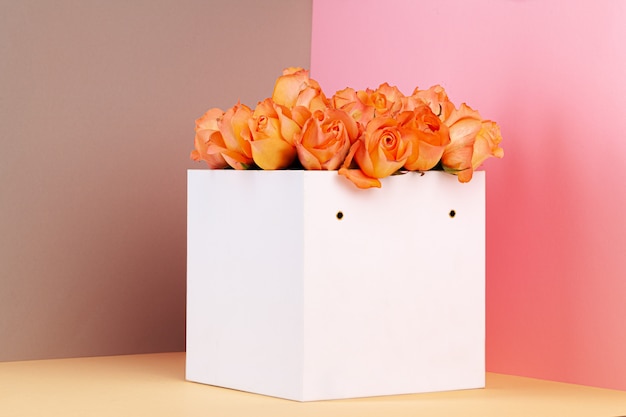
column 244, row 281
column 395, row 289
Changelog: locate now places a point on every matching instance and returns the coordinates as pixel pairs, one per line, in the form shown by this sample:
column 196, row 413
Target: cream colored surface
column 154, row 385
column 97, row 107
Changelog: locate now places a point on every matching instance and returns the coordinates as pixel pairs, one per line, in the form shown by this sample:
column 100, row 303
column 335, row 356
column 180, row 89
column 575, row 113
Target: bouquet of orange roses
column 365, row 135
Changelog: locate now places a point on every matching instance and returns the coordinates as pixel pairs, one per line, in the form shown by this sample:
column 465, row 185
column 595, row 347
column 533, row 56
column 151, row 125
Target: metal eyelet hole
column 452, row 214
column 339, row 215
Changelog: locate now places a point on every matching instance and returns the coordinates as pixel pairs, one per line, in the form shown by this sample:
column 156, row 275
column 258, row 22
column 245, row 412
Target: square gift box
column 301, row 286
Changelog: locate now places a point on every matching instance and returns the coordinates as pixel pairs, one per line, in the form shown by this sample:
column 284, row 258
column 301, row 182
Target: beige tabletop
column 154, row 385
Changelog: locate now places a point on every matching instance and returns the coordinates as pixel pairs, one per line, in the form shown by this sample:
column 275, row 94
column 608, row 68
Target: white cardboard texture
column 285, row 299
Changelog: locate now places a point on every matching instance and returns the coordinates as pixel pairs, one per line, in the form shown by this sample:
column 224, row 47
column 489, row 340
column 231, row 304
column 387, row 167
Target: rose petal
column 272, row 153
column 359, row 178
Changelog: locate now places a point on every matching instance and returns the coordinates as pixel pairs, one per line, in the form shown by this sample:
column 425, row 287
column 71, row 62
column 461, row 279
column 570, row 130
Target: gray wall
column 97, row 107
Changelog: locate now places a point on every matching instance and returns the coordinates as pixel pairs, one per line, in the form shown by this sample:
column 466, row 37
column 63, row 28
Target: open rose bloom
column 365, row 135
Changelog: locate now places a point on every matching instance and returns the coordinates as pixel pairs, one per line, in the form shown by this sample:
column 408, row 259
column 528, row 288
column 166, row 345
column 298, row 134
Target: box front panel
column 394, row 285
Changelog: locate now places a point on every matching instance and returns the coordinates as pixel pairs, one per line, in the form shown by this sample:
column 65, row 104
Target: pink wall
column 553, row 75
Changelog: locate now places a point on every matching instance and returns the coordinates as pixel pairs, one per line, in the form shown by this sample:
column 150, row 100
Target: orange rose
column 295, row 88
column 207, row 130
column 374, row 132
column 464, row 125
column 384, row 150
column 428, row 135
column 273, row 135
column 487, row 143
column 234, row 141
column 380, row 151
column 326, row 138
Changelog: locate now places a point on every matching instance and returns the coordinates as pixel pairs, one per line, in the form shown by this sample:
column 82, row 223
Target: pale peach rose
column 207, row 130
column 387, row 100
column 348, row 100
column 274, row 129
column 326, row 138
column 487, row 143
column 464, row 124
column 209, row 120
column 234, row 142
column 427, row 133
column 364, row 105
column 344, row 99
column 295, row 88
column 381, row 150
column 435, row 97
